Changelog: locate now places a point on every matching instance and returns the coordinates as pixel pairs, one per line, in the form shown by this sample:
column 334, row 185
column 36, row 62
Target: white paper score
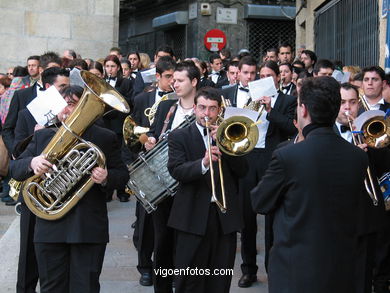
column 264, row 87
column 46, row 105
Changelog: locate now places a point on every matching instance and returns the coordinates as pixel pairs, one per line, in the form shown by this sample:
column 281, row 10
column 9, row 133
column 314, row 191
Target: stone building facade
column 30, row 27
column 251, row 24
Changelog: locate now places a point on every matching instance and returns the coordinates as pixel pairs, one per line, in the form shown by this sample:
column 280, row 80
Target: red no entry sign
column 215, row 40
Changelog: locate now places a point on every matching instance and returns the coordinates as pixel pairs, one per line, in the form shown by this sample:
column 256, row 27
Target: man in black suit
column 170, row 114
column 70, row 250
column 26, row 124
column 139, row 84
column 277, row 126
column 314, row 189
column 143, row 233
column 373, row 217
column 217, row 74
column 205, row 236
column 374, row 79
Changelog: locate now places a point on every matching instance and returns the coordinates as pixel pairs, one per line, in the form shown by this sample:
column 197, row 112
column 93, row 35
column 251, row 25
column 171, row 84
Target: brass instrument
column 14, row 188
column 369, row 184
column 134, row 135
column 375, row 130
column 53, row 194
column 222, row 206
column 151, row 112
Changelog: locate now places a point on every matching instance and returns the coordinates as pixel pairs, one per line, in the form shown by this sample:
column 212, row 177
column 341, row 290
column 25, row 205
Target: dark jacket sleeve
column 284, row 121
column 21, row 130
column 179, row 166
column 266, row 195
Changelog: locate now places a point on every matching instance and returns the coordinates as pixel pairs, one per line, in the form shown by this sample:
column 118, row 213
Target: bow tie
column 162, row 93
column 204, row 131
column 111, row 78
column 243, row 89
column 215, row 73
column 344, row 128
column 286, row 87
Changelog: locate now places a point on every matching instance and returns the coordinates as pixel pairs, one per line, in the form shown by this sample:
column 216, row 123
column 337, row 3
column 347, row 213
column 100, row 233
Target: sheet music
column 264, row 87
column 149, row 76
column 46, row 105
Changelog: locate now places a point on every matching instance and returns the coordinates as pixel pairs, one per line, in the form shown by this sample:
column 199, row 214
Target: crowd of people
column 327, row 224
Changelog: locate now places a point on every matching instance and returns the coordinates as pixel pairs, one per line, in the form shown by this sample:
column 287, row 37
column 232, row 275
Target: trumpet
column 369, row 184
column 221, row 205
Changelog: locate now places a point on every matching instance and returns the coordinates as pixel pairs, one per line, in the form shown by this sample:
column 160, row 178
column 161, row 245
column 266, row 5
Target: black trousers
column 213, row 252
column 70, row 268
column 163, row 246
column 143, row 239
column 27, row 267
column 382, row 255
column 257, row 161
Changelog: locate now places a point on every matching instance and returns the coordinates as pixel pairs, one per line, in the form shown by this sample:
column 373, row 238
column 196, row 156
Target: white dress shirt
column 242, row 96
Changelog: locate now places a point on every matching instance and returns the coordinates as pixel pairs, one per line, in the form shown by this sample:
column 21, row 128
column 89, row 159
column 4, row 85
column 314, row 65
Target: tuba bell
column 134, row 135
column 52, row 195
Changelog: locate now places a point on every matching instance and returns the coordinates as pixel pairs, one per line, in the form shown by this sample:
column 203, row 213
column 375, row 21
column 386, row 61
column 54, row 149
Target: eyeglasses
column 9, row 73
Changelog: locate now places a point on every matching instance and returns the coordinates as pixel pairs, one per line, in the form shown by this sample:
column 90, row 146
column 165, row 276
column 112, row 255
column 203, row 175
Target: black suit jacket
column 139, row 84
column 191, row 203
column 87, row 222
column 114, row 120
column 141, row 102
column 19, row 102
column 206, row 82
column 314, row 189
column 24, row 126
column 159, row 119
column 222, row 79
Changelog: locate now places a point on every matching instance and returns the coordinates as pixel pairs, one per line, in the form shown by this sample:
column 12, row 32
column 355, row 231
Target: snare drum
column 149, row 177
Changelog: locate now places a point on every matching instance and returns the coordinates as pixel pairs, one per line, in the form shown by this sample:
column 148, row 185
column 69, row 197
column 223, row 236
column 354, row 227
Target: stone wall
column 29, row 27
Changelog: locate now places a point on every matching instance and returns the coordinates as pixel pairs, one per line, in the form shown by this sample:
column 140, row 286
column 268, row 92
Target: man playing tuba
column 70, row 250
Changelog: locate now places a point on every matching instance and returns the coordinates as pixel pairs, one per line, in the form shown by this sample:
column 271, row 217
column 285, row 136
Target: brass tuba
column 52, row 195
column 134, row 135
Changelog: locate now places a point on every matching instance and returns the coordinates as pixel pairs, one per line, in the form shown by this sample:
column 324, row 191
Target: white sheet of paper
column 341, row 76
column 149, row 76
column 264, row 87
column 46, row 105
column 233, row 111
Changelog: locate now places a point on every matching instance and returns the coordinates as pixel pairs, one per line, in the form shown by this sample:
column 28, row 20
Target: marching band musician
column 143, row 233
column 315, row 217
column 372, row 217
column 205, row 237
column 170, row 114
column 374, row 80
column 70, row 250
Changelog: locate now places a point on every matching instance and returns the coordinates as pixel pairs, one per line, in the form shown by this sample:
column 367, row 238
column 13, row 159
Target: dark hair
column 133, row 53
column 49, row 57
column 232, row 63
column 49, row 75
column 78, row 62
column 20, row 71
column 322, row 63
column 286, row 64
column 72, row 53
column 116, row 49
column 203, row 65
column 71, row 90
column 114, row 59
column 311, row 54
column 322, row 98
column 271, row 65
column 165, row 49
column 96, row 65
column 165, row 63
column 214, row 57
column 209, row 93
column 247, row 60
column 192, row 70
column 387, row 78
column 348, row 86
column 377, row 69
column 5, row 81
column 33, row 57
column 285, row 45
column 275, row 50
column 303, row 74
column 226, row 52
column 358, row 77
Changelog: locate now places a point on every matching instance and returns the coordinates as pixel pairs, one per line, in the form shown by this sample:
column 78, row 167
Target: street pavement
column 119, row 269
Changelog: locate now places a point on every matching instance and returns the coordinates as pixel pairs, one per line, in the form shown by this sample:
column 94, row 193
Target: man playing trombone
column 206, row 234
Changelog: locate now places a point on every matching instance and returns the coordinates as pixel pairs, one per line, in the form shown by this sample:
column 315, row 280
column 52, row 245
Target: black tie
column 243, row 89
column 111, row 78
column 344, row 128
column 204, row 131
column 162, row 93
